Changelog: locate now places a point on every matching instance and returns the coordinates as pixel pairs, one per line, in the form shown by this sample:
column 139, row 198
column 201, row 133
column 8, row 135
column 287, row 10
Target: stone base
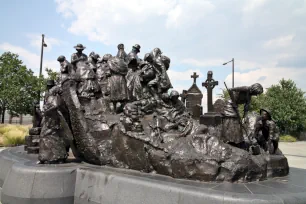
column 35, row 131
column 32, row 143
column 211, row 119
column 22, row 181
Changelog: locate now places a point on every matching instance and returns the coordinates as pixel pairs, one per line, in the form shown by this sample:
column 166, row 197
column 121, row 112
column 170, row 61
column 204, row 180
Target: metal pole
column 42, row 53
column 41, row 60
column 233, row 69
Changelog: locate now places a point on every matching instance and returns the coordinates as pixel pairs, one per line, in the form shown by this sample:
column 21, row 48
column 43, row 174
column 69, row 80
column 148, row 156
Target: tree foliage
column 52, row 75
column 19, row 87
column 288, row 106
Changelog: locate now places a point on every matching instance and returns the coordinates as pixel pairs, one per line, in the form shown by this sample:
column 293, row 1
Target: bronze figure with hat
column 79, row 47
column 79, row 56
column 137, row 47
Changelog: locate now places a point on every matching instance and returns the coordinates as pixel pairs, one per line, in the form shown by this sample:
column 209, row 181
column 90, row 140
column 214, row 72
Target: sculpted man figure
column 176, row 113
column 266, row 132
column 93, row 59
column 243, row 95
column 161, row 64
column 134, row 53
column 121, row 53
column 85, row 75
column 52, row 146
column 50, row 84
column 117, row 82
column 66, row 69
column 134, row 80
column 153, row 84
column 79, row 56
column 103, row 72
column 232, row 132
column 37, row 115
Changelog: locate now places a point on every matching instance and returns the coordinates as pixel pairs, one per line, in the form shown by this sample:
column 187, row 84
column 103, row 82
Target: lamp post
column 233, row 69
column 43, row 44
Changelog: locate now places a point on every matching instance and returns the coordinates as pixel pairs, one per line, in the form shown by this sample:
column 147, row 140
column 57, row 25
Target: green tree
column 258, row 102
column 288, row 106
column 51, row 74
column 19, row 87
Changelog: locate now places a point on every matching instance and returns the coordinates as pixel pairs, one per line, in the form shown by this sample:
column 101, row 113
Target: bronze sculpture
column 233, row 130
column 52, row 146
column 148, row 129
column 266, row 132
column 121, row 53
column 102, row 74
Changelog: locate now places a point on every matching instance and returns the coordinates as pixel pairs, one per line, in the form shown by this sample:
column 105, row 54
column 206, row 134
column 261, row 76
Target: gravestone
column 194, row 98
column 210, row 118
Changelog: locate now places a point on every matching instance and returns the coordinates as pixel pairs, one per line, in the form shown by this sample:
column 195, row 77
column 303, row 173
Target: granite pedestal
column 22, row 181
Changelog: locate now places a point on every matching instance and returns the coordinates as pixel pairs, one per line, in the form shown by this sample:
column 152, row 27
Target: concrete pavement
column 295, row 153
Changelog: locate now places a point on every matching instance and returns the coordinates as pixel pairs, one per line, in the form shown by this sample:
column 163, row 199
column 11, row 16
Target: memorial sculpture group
column 121, row 111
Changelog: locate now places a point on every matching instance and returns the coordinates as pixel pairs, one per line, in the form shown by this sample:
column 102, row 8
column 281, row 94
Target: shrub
column 1, row 140
column 5, row 128
column 12, row 135
column 13, row 138
column 287, row 138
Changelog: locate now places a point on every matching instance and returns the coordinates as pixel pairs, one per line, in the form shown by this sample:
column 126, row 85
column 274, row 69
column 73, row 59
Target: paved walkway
column 295, row 153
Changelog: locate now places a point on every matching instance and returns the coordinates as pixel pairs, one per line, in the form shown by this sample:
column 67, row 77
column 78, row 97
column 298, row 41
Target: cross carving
column 194, row 76
column 210, row 84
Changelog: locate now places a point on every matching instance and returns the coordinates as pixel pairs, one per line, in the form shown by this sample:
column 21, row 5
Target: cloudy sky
column 266, row 37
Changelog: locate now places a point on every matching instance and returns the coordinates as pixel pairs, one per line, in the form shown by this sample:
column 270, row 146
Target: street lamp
column 233, row 68
column 43, row 44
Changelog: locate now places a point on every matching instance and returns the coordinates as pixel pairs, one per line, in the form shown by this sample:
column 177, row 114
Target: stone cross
column 194, row 76
column 210, row 84
column 183, row 96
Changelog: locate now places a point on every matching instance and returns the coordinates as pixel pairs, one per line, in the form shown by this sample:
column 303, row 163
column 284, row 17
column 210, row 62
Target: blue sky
column 266, row 37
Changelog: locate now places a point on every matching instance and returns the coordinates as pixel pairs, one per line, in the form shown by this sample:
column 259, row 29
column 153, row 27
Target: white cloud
column 259, row 34
column 108, row 21
column 251, row 5
column 283, row 41
column 31, row 60
column 239, row 65
column 183, row 75
column 178, row 16
column 268, row 76
column 202, row 63
column 36, row 40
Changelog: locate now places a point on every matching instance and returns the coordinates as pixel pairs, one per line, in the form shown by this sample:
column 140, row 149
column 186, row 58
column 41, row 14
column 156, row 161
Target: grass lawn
column 287, row 138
